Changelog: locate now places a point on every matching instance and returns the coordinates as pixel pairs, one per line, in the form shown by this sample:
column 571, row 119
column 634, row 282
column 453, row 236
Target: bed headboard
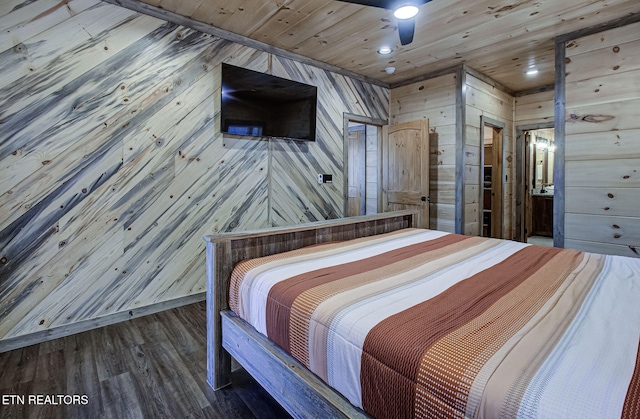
column 224, row 250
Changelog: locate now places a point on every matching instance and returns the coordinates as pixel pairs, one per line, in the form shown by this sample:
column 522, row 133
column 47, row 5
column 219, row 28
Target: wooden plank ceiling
column 500, row 38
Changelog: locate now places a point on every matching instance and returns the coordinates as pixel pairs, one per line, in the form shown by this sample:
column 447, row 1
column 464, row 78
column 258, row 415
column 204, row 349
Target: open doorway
column 362, row 165
column 492, row 163
column 535, row 185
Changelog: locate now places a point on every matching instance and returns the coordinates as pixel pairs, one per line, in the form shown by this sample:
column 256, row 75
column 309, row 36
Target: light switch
column 325, row 178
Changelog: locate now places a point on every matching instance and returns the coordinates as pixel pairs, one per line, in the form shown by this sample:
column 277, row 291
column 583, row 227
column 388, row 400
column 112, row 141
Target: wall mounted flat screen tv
column 260, row 105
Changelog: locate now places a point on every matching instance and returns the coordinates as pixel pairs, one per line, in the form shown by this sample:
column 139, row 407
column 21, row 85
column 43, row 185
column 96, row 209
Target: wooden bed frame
column 298, row 390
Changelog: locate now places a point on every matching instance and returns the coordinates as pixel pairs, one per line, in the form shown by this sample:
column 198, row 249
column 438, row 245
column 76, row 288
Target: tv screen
column 260, row 105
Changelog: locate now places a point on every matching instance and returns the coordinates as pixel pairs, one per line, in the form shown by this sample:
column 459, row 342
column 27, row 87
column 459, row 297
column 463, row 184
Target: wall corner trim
column 461, row 141
column 612, row 24
column 559, row 141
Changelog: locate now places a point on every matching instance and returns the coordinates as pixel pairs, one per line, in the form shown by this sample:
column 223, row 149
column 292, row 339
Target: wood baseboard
column 17, row 342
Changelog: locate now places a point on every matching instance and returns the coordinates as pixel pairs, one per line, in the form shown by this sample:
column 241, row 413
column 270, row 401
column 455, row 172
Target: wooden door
column 405, row 168
column 357, row 171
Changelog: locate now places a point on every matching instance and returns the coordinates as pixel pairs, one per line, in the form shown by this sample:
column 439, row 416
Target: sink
column 547, row 192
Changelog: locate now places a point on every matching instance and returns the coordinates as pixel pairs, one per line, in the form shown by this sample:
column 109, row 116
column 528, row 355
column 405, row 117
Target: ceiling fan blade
column 406, row 28
column 384, row 4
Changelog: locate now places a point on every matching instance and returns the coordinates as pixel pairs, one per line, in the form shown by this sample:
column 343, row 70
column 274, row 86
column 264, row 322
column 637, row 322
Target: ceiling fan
column 404, row 10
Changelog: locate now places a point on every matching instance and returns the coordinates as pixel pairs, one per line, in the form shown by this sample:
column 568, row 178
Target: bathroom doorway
column 535, row 204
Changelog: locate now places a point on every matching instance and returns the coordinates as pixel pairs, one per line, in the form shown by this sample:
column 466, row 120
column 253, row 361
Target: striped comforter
column 421, row 323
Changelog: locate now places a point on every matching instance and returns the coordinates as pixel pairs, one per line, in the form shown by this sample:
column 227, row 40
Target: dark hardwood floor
column 150, row 367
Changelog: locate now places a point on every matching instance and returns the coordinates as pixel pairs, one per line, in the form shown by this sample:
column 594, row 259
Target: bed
column 370, row 316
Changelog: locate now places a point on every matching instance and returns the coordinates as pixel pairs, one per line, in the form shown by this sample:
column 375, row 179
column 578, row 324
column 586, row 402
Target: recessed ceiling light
column 390, row 70
column 406, row 12
column 384, row 50
column 532, row 72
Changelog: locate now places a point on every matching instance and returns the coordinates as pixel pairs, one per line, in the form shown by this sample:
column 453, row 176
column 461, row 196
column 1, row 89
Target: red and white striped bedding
column 420, row 323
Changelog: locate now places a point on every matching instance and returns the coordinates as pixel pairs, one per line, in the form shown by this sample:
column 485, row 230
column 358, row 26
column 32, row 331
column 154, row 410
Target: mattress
column 421, row 323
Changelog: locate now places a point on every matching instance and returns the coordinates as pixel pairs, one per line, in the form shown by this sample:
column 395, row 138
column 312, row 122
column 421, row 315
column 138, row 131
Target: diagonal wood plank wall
column 112, row 166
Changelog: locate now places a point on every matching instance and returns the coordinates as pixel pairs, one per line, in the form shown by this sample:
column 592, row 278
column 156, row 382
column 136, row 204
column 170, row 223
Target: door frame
column 520, row 174
column 493, row 123
column 362, row 119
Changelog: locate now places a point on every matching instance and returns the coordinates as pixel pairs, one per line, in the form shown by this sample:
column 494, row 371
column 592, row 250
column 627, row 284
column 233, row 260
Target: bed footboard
column 296, row 388
column 224, row 250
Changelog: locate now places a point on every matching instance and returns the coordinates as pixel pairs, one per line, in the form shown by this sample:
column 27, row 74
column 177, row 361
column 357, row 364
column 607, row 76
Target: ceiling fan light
column 406, row 11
